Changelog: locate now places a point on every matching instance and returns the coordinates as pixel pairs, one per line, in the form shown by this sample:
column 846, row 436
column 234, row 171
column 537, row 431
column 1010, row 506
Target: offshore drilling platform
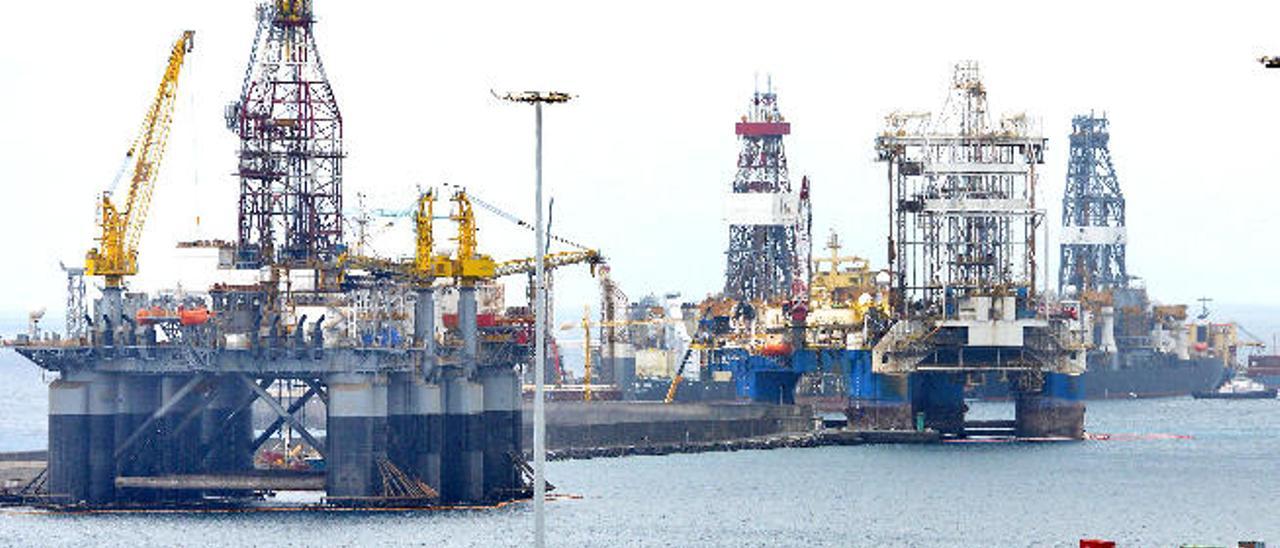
column 154, row 396
column 958, row 305
column 963, row 236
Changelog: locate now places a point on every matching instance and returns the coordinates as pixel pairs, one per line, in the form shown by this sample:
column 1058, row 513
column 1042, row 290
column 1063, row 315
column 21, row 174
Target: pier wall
column 614, row 423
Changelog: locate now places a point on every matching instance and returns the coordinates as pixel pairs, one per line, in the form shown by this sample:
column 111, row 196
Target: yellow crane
column 426, row 265
column 117, row 253
column 469, row 266
column 551, row 261
column 586, row 353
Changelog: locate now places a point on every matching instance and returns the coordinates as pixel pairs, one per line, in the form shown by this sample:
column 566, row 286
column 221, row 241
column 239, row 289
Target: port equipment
column 963, row 235
column 291, row 152
column 1093, row 226
column 767, row 223
column 121, row 229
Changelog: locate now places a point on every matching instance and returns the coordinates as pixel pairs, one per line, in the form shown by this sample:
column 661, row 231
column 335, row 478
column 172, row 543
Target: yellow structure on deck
column 469, row 266
column 117, row 253
column 551, row 261
column 586, row 353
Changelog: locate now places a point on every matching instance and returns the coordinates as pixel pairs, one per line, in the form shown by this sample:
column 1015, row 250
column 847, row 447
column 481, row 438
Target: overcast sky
column 639, row 162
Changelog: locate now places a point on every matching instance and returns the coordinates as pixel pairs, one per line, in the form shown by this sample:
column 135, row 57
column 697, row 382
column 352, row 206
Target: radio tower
column 290, row 145
column 1093, row 230
column 763, row 218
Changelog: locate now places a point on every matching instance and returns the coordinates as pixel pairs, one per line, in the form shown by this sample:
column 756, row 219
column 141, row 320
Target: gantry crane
column 117, row 253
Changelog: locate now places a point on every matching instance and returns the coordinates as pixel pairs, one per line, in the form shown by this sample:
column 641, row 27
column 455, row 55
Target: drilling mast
column 1093, row 229
column 290, row 129
column 762, row 213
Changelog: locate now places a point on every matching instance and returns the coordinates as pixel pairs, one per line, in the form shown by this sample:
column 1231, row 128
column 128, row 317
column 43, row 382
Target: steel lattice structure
column 291, row 152
column 762, row 234
column 1093, row 229
column 961, row 201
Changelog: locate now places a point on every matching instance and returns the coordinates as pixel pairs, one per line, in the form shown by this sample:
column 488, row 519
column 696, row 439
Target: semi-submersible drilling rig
column 958, row 303
column 155, row 393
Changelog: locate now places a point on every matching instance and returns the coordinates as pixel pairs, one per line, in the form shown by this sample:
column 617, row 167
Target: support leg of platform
column 1056, row 411
column 69, row 440
column 462, row 459
column 502, row 431
column 349, row 460
column 877, row 401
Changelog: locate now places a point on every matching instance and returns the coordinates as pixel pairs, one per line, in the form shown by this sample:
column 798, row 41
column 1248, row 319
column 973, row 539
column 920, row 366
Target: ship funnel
column 1180, row 343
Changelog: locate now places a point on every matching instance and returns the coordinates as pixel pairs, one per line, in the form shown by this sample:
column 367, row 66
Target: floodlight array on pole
column 537, row 98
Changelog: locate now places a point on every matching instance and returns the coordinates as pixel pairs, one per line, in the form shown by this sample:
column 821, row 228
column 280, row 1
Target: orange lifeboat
column 153, row 315
column 194, row 316
column 775, row 349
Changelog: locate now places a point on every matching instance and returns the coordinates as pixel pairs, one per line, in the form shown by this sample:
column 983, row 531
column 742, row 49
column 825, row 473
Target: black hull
column 1255, row 395
column 1131, row 374
column 689, row 391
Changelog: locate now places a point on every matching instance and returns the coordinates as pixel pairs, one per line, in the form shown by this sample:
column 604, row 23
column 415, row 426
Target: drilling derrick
column 1093, row 229
column 962, row 257
column 291, row 153
column 762, row 212
column 962, row 201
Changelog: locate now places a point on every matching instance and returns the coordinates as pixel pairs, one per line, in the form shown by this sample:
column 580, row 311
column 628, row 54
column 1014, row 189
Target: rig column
column 350, row 428
column 877, row 401
column 1056, row 411
column 401, row 435
column 424, row 321
column 102, row 439
column 420, row 429
column 940, row 397
column 502, row 428
column 462, row 460
column 69, row 440
column 380, row 427
column 467, row 324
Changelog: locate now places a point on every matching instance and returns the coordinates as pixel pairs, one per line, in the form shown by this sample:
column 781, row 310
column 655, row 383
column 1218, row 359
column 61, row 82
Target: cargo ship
column 1264, row 368
column 1143, row 350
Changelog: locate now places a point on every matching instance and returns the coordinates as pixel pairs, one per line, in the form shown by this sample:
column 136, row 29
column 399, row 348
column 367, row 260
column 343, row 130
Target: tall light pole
column 537, row 98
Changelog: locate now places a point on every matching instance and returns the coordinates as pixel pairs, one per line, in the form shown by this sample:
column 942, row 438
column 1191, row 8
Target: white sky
column 639, row 162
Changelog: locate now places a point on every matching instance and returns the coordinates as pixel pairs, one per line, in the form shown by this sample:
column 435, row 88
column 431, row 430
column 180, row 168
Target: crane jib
column 121, row 229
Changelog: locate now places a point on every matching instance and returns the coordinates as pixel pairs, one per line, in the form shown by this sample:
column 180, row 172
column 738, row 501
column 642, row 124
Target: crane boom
column 551, row 261
column 117, row 253
column 522, row 223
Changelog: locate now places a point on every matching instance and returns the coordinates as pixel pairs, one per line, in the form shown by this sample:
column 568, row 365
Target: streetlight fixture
column 537, row 98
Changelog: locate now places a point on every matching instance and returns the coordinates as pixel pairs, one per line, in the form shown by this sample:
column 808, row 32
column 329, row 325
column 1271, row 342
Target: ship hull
column 690, row 390
column 1132, row 374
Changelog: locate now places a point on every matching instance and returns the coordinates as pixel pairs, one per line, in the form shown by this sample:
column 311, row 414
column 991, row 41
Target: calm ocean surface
column 1217, row 487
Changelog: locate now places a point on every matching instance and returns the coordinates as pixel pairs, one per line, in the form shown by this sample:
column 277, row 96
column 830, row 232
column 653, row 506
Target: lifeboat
column 775, row 349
